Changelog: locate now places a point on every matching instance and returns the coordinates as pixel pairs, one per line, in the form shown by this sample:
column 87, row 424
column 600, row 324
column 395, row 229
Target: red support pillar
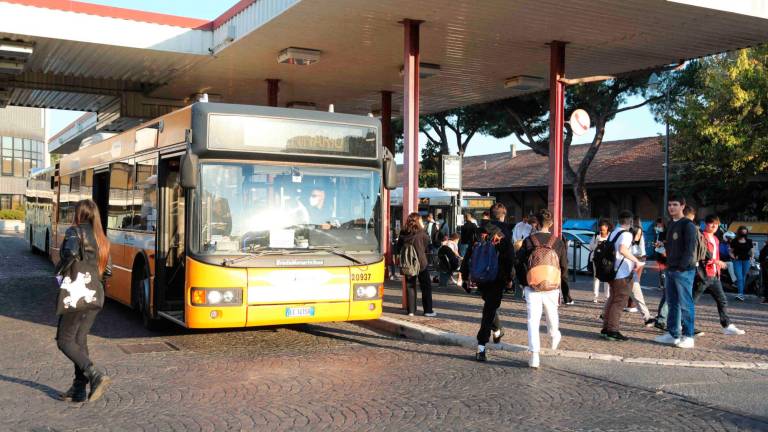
column 556, row 119
column 272, row 89
column 388, row 142
column 410, row 122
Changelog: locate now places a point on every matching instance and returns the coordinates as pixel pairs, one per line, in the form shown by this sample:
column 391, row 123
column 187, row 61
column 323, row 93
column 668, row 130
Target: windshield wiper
column 335, row 251
column 230, row 261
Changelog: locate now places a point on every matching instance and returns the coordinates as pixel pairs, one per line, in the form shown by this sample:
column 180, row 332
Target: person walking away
column 621, row 285
column 682, row 239
column 711, row 282
column 494, row 251
column 603, row 230
column 85, row 247
column 742, row 254
column 542, row 262
column 469, row 233
column 412, row 245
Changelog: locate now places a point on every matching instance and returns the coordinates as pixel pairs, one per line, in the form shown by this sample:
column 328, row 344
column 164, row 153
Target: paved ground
column 580, row 324
column 330, row 377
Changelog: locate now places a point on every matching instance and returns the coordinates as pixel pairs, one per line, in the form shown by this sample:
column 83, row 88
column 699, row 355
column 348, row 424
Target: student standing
column 469, row 233
column 85, row 247
column 742, row 254
column 543, row 261
column 682, row 238
column 621, row 286
column 413, row 234
column 603, row 230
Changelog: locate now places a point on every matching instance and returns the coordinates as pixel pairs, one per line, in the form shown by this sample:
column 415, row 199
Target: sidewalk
column 458, row 318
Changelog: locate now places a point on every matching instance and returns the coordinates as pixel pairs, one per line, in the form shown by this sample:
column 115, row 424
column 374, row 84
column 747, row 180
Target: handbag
column 79, row 285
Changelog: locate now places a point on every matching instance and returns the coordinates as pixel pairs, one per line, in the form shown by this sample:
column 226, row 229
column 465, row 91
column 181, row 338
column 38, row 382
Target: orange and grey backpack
column 543, row 265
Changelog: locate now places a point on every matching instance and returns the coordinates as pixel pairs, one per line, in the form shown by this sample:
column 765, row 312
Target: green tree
column 719, row 115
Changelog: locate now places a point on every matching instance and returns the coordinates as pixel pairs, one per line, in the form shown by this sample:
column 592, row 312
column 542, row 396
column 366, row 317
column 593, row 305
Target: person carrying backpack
column 411, row 247
column 615, row 264
column 489, row 264
column 542, row 262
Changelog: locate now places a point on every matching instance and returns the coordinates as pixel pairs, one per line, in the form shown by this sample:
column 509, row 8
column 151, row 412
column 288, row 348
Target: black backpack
column 604, row 259
column 447, row 261
column 435, row 237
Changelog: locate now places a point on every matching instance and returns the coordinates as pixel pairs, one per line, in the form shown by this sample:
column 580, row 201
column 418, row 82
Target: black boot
column 76, row 393
column 99, row 383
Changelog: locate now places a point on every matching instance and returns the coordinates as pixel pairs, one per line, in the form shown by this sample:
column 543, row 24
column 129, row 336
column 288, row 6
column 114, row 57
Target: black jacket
column 504, row 248
column 420, row 241
column 469, row 233
column 70, row 249
column 682, row 237
column 528, row 247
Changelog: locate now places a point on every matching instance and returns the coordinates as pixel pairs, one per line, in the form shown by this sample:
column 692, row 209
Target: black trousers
column 713, row 286
column 426, row 291
column 492, row 294
column 72, row 338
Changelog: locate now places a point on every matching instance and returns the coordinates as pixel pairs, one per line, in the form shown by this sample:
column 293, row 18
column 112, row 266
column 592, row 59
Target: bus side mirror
column 390, row 170
column 189, row 164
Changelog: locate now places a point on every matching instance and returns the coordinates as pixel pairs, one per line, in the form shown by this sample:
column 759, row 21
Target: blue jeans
column 741, row 268
column 463, row 249
column 679, row 296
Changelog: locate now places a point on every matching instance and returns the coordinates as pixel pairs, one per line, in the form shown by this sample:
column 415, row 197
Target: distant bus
column 434, row 200
column 38, row 209
column 226, row 215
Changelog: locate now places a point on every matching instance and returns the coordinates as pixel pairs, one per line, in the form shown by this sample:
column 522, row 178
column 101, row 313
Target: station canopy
column 127, row 64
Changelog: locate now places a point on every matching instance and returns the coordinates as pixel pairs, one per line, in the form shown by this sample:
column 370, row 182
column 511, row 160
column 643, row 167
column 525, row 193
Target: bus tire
column 47, row 244
column 31, row 243
column 140, row 287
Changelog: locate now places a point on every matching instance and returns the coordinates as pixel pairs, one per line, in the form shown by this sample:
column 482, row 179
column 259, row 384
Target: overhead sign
column 451, row 179
column 579, row 122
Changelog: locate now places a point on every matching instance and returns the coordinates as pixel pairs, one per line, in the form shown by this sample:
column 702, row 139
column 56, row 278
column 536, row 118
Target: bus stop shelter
column 390, row 58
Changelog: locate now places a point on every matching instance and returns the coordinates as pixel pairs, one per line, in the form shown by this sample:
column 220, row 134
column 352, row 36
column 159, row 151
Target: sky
column 630, row 124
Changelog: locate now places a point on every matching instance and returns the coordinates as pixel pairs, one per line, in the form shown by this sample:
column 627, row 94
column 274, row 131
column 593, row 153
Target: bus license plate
column 291, row 312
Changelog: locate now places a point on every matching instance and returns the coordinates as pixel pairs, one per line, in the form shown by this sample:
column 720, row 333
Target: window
column 119, row 214
column 64, row 206
column 145, row 196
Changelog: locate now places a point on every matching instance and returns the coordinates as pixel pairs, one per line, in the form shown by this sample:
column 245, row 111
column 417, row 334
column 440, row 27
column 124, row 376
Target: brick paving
column 319, row 377
column 580, row 325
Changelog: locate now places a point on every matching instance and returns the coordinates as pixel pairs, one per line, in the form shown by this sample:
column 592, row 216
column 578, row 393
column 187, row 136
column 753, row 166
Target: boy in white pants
column 542, row 260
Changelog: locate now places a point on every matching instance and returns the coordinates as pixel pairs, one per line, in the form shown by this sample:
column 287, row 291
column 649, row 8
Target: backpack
column 484, row 262
column 543, row 265
column 702, row 253
column 604, row 259
column 409, row 260
column 447, row 261
column 435, row 236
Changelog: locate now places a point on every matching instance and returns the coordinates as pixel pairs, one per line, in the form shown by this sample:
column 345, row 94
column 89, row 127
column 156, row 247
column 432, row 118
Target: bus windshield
column 247, row 207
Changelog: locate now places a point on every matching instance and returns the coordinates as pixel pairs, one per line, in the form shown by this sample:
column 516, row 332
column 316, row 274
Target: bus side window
column 119, row 214
column 145, row 196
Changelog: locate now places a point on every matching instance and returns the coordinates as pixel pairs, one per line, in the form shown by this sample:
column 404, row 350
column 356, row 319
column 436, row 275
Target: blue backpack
column 484, row 263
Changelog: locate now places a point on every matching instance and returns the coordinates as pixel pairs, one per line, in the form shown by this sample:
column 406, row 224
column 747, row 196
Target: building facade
column 22, row 148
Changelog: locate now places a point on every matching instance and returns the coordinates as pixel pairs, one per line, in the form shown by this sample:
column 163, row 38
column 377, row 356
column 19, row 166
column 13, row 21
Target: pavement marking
column 409, row 330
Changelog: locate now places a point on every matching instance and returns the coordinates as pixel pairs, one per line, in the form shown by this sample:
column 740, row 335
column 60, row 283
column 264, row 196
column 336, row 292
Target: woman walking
column 603, row 230
column 413, row 234
column 81, row 297
column 742, row 253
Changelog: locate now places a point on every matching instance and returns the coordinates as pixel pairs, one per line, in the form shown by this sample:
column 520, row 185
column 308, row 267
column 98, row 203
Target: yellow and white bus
column 38, row 210
column 234, row 216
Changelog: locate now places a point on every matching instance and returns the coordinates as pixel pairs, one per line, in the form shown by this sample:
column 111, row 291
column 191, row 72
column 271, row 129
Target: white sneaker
column 534, row 361
column 595, row 300
column 667, row 339
column 685, row 342
column 634, row 309
column 430, row 314
column 733, row 330
column 556, row 340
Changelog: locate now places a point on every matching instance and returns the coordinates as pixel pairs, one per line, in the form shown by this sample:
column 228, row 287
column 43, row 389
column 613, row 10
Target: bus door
column 169, row 282
column 101, row 193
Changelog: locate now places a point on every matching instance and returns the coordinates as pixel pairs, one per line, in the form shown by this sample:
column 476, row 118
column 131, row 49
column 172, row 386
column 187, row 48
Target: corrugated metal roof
column 22, row 122
column 59, row 100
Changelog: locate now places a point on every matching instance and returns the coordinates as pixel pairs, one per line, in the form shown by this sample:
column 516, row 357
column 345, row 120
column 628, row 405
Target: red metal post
column 556, row 118
column 410, row 122
column 386, row 141
column 272, row 89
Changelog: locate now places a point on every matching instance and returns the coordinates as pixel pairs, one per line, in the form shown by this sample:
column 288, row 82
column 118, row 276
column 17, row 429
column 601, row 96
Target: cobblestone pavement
column 580, row 324
column 319, row 377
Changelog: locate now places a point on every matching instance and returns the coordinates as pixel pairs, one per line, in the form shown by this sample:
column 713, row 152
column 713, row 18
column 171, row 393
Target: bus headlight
column 216, row 296
column 366, row 291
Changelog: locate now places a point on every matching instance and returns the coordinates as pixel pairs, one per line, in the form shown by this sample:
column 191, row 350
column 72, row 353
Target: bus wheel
column 140, row 294
column 31, row 243
column 47, row 245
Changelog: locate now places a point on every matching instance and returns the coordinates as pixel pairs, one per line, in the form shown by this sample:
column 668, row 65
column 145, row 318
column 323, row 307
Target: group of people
column 528, row 256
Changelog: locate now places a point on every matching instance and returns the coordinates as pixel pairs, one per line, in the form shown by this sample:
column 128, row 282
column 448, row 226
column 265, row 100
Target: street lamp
column 655, row 82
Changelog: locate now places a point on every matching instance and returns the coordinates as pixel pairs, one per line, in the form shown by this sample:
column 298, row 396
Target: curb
column 409, row 330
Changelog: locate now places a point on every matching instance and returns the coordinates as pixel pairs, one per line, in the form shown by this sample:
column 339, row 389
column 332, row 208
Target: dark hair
column 498, row 210
column 689, row 210
column 604, row 222
column 711, row 218
column 743, row 228
column 486, row 214
column 660, row 221
column 544, row 218
column 676, row 197
column 412, row 223
column 625, row 217
column 86, row 212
